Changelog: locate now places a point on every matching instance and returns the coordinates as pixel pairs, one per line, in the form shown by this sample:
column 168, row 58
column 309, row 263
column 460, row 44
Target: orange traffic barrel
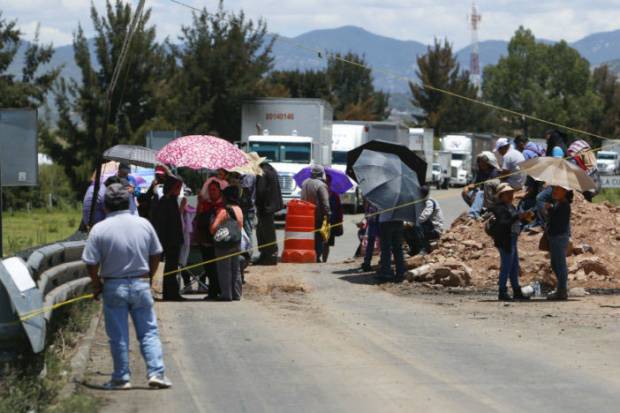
column 299, row 233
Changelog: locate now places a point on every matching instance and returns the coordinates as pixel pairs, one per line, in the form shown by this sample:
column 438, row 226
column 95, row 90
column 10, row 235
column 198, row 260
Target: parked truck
column 291, row 133
column 441, row 169
column 347, row 136
column 464, row 147
column 608, row 162
column 421, row 142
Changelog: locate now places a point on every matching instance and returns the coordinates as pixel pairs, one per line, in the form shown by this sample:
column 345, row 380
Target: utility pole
column 474, row 61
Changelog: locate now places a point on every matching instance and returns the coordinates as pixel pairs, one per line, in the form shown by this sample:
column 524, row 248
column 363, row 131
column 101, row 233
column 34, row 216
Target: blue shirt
column 121, row 244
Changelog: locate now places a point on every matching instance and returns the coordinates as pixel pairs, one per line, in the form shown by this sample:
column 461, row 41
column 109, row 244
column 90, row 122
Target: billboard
column 157, row 139
column 610, row 181
column 18, row 147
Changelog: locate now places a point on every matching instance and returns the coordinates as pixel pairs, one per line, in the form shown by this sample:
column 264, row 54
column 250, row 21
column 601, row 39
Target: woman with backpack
column 226, row 230
column 505, row 227
column 208, row 205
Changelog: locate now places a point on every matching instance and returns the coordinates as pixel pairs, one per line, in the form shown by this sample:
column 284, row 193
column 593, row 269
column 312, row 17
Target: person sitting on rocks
column 430, row 225
column 480, row 195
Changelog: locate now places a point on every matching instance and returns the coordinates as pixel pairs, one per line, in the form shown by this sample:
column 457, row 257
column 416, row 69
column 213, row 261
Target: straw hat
column 503, row 187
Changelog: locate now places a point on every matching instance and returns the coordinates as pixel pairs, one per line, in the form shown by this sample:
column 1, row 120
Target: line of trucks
column 293, row 133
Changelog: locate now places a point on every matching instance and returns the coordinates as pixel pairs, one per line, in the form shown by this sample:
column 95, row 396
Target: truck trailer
column 345, row 137
column 291, row 133
column 464, row 148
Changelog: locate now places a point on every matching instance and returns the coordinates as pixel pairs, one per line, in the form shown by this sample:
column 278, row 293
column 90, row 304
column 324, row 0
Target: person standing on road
column 336, row 218
column 122, row 255
column 228, row 271
column 166, row 219
column 510, row 160
column 315, row 191
column 391, row 237
column 505, row 232
column 557, row 232
column 268, row 202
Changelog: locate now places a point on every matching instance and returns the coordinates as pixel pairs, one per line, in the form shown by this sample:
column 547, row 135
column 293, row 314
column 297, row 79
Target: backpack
column 490, row 226
column 228, row 233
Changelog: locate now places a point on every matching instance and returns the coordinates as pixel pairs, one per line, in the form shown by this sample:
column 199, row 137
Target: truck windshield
column 436, row 167
column 607, row 156
column 284, row 152
column 339, row 158
column 458, row 156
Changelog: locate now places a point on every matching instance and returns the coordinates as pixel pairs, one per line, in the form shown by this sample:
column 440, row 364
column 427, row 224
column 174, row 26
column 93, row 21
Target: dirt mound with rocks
column 466, row 255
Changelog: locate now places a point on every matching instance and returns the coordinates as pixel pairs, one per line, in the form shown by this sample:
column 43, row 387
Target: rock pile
column 466, row 255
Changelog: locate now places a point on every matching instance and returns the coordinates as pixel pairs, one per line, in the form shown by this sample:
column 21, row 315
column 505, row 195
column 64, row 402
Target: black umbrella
column 409, row 158
column 389, row 184
column 132, row 154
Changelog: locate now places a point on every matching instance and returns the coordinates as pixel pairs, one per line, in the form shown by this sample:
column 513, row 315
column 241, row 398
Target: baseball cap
column 501, row 142
column 124, row 166
column 116, row 195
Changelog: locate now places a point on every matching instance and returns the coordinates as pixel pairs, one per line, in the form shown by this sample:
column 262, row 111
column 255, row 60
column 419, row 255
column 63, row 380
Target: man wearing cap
column 121, row 255
column 315, row 191
column 510, row 160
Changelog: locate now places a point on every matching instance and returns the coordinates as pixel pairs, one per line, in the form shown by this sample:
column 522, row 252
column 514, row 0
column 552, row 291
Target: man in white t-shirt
column 510, row 160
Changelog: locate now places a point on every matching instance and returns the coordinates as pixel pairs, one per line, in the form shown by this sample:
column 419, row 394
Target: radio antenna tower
column 474, row 62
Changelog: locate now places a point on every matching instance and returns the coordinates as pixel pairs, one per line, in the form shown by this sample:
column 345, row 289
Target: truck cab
column 288, row 154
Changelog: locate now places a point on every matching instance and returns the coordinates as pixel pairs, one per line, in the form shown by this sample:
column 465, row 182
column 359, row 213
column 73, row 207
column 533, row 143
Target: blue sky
column 404, row 19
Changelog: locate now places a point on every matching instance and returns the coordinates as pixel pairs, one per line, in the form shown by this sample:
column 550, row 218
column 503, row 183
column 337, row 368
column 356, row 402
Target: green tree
column 78, row 142
column 222, row 61
column 439, row 71
column 352, row 92
column 31, row 88
column 551, row 82
column 346, row 86
column 606, row 86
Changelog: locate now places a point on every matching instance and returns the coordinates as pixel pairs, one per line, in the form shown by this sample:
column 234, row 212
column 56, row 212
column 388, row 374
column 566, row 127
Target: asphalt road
column 348, row 345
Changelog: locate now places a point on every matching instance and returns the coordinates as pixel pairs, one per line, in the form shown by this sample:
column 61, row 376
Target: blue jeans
column 121, row 298
column 557, row 250
column 509, row 265
column 391, row 240
column 475, row 210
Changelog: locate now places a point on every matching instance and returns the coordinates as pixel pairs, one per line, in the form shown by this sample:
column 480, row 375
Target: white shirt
column 510, row 162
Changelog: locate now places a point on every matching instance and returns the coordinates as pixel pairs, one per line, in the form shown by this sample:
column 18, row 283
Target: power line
column 322, row 54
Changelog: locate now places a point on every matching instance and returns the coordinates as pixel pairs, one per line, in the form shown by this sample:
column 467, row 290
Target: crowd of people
column 491, row 197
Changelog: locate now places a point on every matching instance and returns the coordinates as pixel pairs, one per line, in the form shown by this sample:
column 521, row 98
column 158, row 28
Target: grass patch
column 609, row 194
column 23, row 390
column 23, row 229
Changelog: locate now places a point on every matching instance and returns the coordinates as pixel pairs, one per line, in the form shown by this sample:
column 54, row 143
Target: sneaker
column 159, row 381
column 117, row 385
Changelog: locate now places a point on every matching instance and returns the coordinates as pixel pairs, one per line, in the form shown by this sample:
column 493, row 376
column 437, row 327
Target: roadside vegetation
column 24, row 229
column 24, row 388
column 609, row 194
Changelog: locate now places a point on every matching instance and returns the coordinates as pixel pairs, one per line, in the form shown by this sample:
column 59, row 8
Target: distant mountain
column 381, row 52
column 599, row 47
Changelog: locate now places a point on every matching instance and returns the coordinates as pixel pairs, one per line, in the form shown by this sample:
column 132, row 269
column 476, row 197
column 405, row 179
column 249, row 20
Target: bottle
column 537, row 289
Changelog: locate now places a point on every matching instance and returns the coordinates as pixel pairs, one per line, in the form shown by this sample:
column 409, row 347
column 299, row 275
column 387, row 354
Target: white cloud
column 404, row 19
column 47, row 34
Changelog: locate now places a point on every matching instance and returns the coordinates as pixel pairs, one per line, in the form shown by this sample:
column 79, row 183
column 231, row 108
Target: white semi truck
column 464, row 148
column 291, row 133
column 608, row 162
column 345, row 137
column 421, row 142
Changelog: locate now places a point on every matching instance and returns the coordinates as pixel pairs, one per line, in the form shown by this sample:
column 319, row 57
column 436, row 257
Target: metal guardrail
column 56, row 274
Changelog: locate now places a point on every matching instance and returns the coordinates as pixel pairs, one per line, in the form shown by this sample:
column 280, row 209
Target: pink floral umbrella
column 202, row 152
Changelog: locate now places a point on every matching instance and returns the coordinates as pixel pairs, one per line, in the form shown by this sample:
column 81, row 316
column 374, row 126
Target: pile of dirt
column 593, row 260
column 265, row 281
